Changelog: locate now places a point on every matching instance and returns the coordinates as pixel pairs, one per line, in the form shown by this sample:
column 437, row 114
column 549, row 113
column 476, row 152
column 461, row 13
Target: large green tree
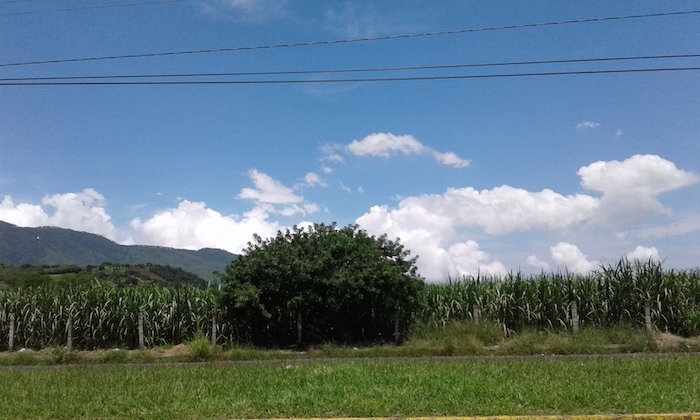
column 330, row 284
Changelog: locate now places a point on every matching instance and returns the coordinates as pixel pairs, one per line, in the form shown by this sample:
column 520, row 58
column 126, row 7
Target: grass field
column 357, row 388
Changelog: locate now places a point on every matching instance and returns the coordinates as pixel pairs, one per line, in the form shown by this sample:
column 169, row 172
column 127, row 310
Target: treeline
column 140, row 275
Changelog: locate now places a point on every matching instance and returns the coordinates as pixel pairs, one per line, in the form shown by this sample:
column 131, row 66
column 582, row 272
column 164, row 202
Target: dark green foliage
column 63, row 356
column 200, row 349
column 33, row 279
column 52, row 246
column 119, row 274
column 345, row 286
column 175, row 276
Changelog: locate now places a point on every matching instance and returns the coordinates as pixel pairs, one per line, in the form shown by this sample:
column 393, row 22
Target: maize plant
column 611, row 295
column 104, row 315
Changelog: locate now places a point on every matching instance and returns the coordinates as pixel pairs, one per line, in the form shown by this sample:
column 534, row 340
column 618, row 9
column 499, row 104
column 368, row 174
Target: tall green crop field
column 612, row 295
column 105, row 315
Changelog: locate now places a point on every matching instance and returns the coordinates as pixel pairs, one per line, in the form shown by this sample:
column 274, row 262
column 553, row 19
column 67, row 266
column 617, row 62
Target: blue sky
column 489, row 174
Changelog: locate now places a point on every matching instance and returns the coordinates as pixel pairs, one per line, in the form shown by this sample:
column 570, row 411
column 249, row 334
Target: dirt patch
column 668, row 342
column 180, row 350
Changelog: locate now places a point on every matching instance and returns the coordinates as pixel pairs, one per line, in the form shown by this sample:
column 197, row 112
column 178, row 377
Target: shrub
column 200, row 350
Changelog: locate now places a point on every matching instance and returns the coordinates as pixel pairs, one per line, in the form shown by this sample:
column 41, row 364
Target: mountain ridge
column 51, row 245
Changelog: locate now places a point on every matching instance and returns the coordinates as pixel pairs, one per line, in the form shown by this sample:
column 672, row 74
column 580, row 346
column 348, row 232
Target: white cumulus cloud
column 428, row 224
column 334, row 157
column 588, row 125
column 431, row 237
column 468, row 259
column 535, row 262
column 433, row 225
column 305, row 209
column 22, row 214
column 505, row 209
column 569, row 256
column 83, row 211
column 331, row 153
column 387, row 144
column 643, row 253
column 268, row 190
column 194, row 226
column 272, row 196
column 630, row 188
column 450, row 159
column 313, row 180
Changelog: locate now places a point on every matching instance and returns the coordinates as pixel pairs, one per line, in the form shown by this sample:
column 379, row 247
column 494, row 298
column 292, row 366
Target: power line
column 362, row 70
column 362, row 80
column 75, row 9
column 349, row 41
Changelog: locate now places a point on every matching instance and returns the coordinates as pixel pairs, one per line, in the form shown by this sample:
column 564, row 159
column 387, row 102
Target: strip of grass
column 358, row 388
column 454, row 339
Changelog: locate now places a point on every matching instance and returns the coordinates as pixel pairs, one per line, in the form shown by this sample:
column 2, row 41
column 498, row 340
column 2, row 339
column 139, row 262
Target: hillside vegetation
column 56, row 246
column 140, row 275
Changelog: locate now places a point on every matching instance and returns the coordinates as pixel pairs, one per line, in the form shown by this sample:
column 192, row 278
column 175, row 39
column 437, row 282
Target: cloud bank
column 83, row 211
column 430, row 224
column 630, row 189
column 440, row 228
column 194, row 226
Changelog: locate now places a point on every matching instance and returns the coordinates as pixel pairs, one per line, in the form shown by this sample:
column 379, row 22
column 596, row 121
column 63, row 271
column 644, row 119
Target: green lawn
column 357, row 388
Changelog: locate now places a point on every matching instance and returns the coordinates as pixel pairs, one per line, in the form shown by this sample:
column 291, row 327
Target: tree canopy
column 341, row 284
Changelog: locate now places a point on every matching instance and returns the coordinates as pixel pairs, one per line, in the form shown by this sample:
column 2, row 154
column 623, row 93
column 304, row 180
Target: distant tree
column 334, row 284
column 31, row 279
column 70, row 279
column 175, row 276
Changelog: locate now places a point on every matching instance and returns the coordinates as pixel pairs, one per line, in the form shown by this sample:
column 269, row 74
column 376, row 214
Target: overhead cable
column 75, row 9
column 361, row 70
column 361, row 80
column 348, row 41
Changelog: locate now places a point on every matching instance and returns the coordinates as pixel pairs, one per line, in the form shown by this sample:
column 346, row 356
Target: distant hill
column 57, row 246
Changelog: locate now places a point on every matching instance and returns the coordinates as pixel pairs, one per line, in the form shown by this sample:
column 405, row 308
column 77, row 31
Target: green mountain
column 57, row 246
